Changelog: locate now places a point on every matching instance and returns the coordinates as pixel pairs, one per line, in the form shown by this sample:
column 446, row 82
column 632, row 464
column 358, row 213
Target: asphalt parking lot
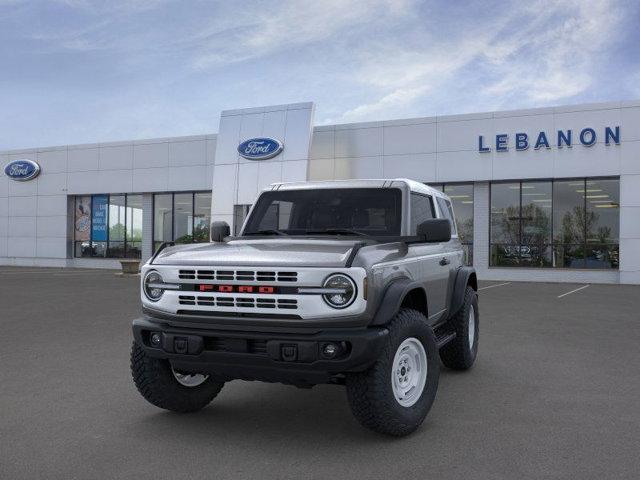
column 554, row 394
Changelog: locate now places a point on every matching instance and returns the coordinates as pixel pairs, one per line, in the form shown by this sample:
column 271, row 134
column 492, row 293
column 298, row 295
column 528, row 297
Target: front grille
column 238, row 275
column 238, row 302
column 237, row 345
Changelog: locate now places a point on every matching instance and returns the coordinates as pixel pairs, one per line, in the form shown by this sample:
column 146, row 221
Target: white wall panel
column 581, row 161
column 358, row 142
column 150, row 180
column 247, row 183
column 228, row 139
column 22, row 206
column 322, row 144
column 630, row 157
column 84, row 182
column 52, row 161
column 115, row 181
column 294, row 171
column 188, row 153
column 420, row 138
column 188, row 178
column 151, row 155
column 21, row 246
column 420, row 167
column 52, row 183
column 463, row 166
column 269, row 173
column 83, row 159
column 52, row 226
column 118, row 157
column 51, row 247
column 630, row 124
column 22, row 189
column 321, row 169
column 224, row 189
column 22, row 227
column 297, row 136
column 463, row 135
column 51, row 205
column 630, row 191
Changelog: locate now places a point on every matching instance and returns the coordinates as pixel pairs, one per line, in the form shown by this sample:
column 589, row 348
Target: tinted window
column 373, row 211
column 421, row 210
column 447, row 211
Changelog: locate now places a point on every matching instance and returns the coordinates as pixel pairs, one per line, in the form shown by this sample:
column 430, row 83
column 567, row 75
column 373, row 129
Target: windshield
column 336, row 211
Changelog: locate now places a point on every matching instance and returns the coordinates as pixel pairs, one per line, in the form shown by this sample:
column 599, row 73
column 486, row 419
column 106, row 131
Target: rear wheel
column 394, row 396
column 461, row 352
column 164, row 387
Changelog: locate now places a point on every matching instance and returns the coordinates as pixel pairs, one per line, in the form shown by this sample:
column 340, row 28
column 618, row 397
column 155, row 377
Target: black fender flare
column 392, row 299
column 464, row 276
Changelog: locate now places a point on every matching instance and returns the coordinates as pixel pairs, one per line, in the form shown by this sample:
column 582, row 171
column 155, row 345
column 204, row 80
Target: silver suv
column 358, row 283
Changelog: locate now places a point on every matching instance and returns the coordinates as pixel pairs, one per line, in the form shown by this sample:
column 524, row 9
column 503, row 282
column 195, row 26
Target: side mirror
column 435, row 230
column 219, row 230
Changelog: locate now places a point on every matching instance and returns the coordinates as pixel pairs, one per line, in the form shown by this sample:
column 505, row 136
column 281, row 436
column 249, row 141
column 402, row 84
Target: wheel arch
column 400, row 293
column 465, row 276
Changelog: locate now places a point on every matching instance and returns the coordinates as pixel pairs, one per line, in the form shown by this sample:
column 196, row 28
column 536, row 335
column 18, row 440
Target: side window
column 421, row 210
column 447, row 211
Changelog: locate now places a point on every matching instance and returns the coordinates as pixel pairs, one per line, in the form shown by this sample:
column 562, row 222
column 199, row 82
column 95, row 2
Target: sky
column 80, row 71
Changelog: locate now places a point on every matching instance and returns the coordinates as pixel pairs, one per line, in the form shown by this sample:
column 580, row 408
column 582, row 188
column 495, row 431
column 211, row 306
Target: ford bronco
column 358, row 283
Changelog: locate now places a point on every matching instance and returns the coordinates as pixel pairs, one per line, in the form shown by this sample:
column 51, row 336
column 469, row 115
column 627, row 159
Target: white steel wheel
column 189, row 379
column 409, row 372
column 472, row 327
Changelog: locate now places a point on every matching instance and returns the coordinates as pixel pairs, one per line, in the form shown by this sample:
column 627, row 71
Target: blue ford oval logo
column 260, row 148
column 22, row 170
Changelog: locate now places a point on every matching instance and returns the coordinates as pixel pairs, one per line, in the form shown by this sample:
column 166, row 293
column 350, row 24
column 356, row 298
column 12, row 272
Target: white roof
column 359, row 183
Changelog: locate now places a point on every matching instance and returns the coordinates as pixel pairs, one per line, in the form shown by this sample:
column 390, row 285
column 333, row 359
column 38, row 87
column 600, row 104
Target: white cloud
column 259, row 32
column 543, row 52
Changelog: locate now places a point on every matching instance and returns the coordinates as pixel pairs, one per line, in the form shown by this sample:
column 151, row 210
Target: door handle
column 444, row 261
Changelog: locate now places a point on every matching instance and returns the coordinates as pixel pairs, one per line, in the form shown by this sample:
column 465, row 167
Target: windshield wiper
column 267, row 232
column 336, row 231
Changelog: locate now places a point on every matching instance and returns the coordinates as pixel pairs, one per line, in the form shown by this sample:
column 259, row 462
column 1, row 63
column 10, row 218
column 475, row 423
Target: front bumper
column 294, row 356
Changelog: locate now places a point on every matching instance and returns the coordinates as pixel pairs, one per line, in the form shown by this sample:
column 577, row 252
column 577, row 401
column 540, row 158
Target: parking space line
column 573, row 291
column 494, row 285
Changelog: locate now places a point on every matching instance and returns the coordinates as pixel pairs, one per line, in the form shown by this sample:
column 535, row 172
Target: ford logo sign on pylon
column 22, row 170
column 260, row 148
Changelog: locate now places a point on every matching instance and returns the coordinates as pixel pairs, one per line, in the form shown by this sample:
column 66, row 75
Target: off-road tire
column 458, row 354
column 156, row 383
column 370, row 393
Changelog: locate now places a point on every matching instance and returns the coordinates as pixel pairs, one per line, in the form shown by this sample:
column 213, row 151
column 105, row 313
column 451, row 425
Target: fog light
column 330, row 350
column 155, row 339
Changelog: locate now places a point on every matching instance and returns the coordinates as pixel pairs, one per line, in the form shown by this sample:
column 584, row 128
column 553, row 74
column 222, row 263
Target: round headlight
column 343, row 291
column 151, row 290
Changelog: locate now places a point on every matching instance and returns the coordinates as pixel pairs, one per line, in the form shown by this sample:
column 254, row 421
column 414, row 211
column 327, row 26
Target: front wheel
column 461, row 352
column 394, row 396
column 164, row 387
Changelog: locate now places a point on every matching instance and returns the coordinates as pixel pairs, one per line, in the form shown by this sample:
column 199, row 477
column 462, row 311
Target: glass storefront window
column 162, row 219
column 108, row 226
column 505, row 224
column 201, row 217
column 117, row 220
column 535, row 242
column 182, row 217
column 562, row 224
column 134, row 226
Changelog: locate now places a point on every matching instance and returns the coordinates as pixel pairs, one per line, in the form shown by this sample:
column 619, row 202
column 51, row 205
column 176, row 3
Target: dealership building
column 548, row 194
